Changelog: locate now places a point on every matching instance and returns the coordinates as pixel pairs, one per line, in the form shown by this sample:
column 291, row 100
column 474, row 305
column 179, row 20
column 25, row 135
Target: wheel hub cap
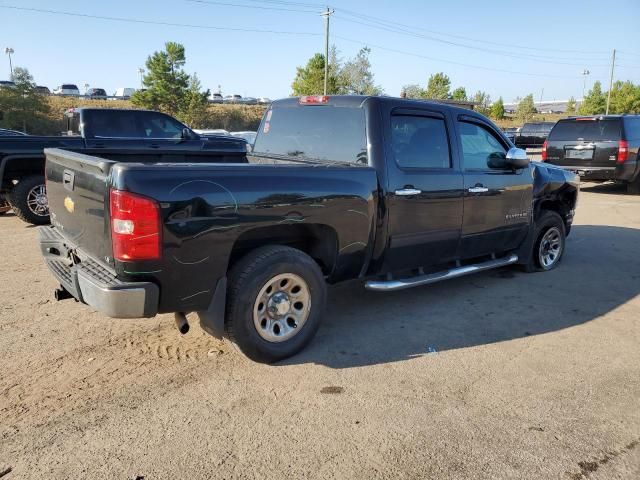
column 550, row 248
column 279, row 304
column 37, row 201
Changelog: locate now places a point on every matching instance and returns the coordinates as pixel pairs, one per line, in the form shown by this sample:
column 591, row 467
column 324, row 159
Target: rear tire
column 275, row 301
column 633, row 187
column 549, row 245
column 28, row 200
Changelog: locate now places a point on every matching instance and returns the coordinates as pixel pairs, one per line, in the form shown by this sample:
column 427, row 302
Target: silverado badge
column 69, row 205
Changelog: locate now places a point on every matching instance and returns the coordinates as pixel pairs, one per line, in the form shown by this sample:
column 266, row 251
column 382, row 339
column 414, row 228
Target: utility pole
column 585, row 72
column 9, row 51
column 613, row 63
column 141, row 72
column 326, row 14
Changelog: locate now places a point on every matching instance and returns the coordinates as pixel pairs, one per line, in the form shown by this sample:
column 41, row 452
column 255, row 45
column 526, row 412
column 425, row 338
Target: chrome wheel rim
column 282, row 307
column 550, row 248
column 37, row 201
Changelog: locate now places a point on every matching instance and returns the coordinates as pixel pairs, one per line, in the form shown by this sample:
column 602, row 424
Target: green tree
column 438, row 87
column 413, row 91
column 194, row 106
column 625, row 98
column 356, row 77
column 571, row 106
column 309, row 80
column 594, row 102
column 482, row 101
column 166, row 82
column 526, row 108
column 497, row 109
column 459, row 94
column 22, row 108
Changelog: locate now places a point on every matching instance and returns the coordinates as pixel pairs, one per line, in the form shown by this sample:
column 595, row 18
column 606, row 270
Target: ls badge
column 69, row 205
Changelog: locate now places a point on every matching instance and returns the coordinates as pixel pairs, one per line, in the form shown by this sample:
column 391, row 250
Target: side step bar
column 401, row 284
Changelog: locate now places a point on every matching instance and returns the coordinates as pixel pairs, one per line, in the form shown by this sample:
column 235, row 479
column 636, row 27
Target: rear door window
column 314, row 132
column 589, row 130
column 420, row 142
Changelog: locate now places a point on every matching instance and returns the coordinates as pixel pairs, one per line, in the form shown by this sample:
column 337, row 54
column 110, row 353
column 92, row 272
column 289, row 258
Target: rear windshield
column 69, row 86
column 314, row 132
column 607, row 129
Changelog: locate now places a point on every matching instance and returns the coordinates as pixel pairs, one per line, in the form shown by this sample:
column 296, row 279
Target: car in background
column 97, row 93
column 511, row 133
column 533, row 134
column 248, row 136
column 249, row 101
column 5, row 132
column 233, row 99
column 67, row 89
column 7, row 84
column 264, row 101
column 124, row 93
column 216, row 98
column 42, row 90
column 599, row 148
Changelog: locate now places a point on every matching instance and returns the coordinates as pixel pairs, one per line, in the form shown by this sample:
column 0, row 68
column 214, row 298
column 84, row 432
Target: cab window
column 160, row 126
column 420, row 142
column 481, row 150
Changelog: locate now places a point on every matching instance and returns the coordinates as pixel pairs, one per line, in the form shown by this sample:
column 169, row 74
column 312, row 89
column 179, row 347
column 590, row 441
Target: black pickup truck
column 113, row 133
column 399, row 192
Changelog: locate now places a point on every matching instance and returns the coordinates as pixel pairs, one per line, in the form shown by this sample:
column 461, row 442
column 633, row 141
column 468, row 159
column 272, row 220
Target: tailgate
column 78, row 195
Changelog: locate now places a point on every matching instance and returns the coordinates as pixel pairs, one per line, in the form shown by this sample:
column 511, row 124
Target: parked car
column 42, row 90
column 533, row 134
column 67, row 89
column 249, row 101
column 249, row 136
column 114, row 132
column 400, row 192
column 510, row 133
column 264, row 101
column 7, row 84
column 97, row 93
column 4, row 132
column 233, row 99
column 123, row 93
column 216, row 98
column 600, row 148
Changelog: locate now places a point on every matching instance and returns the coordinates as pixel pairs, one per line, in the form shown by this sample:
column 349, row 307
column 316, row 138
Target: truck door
column 424, row 190
column 497, row 199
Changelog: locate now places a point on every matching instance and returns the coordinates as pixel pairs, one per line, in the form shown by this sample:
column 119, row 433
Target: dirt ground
column 499, row 375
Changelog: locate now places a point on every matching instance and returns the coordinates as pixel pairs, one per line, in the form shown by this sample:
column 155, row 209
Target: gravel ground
column 529, row 376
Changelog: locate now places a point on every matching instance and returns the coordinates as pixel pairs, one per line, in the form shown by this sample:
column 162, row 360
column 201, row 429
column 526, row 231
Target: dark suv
column 597, row 148
column 533, row 135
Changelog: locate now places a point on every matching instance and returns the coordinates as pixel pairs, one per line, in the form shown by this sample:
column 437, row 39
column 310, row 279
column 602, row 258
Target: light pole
column 585, row 72
column 86, row 89
column 141, row 72
column 9, row 51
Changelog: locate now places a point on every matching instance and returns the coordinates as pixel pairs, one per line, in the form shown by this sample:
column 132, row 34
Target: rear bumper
column 625, row 172
column 91, row 283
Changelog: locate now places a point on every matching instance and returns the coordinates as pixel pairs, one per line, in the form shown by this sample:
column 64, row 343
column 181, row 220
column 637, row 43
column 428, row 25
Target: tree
column 459, row 94
column 594, row 102
column 482, row 101
column 194, row 107
column 625, row 98
column 22, row 107
column 355, row 76
column 526, row 108
column 438, row 87
column 571, row 106
column 309, row 79
column 497, row 109
column 413, row 91
column 167, row 84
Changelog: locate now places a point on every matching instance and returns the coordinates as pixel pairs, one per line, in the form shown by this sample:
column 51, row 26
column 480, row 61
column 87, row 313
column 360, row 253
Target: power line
column 152, row 22
column 227, row 4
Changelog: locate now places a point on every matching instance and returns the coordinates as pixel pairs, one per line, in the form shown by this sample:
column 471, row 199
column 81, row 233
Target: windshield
column 314, row 132
column 606, row 129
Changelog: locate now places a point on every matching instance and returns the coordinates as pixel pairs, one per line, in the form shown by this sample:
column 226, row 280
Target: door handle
column 478, row 189
column 408, row 191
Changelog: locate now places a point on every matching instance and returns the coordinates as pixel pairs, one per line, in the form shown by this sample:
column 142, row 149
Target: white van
column 123, row 93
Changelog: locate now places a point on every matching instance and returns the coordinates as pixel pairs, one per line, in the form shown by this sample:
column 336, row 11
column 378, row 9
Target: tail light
column 544, row 151
column 314, row 100
column 135, row 227
column 623, row 151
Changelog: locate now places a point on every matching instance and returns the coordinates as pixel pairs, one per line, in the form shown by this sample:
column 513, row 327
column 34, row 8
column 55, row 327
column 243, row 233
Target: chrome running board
column 401, row 284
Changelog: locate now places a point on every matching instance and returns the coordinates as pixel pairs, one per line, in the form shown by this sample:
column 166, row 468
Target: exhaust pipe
column 182, row 323
column 61, row 294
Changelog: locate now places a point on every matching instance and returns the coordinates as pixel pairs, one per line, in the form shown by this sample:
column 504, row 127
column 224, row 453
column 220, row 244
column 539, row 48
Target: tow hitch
column 61, row 294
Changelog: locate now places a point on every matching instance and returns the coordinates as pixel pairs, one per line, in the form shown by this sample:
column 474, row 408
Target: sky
column 252, row 47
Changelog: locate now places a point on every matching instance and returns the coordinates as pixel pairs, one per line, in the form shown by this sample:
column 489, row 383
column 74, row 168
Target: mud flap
column 212, row 319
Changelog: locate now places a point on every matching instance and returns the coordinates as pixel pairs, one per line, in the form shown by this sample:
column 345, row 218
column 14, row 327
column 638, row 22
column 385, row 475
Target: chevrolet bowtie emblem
column 69, row 205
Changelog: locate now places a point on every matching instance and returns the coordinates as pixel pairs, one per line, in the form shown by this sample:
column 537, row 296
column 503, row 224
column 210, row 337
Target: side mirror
column 517, row 158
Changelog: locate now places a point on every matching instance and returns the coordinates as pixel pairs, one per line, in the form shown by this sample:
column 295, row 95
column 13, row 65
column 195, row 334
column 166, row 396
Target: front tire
column 275, row 301
column 28, row 200
column 549, row 245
